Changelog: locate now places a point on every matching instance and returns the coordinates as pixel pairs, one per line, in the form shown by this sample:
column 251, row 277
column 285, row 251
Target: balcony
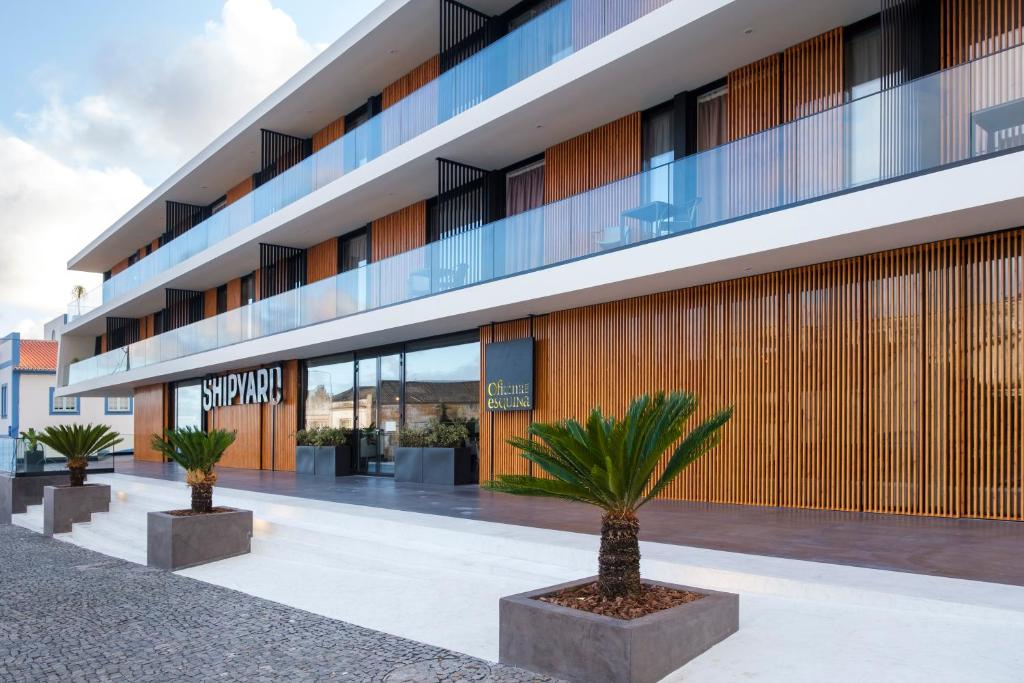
column 552, row 36
column 955, row 116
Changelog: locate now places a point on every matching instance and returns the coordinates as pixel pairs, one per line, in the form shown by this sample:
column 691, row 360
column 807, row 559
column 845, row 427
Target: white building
column 810, row 210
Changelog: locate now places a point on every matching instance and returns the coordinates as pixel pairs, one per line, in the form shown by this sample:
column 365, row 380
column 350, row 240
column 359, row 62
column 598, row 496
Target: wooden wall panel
column 887, row 383
column 813, row 75
column 400, row 231
column 210, row 303
column 971, row 29
column 328, row 134
column 322, row 260
column 594, row 159
column 280, row 422
column 234, row 294
column 411, row 82
column 993, row 462
column 240, row 190
column 755, row 97
column 246, row 420
column 150, row 418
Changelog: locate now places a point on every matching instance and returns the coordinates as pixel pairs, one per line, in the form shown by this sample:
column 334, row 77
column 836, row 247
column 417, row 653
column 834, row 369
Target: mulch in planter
column 190, row 513
column 652, row 598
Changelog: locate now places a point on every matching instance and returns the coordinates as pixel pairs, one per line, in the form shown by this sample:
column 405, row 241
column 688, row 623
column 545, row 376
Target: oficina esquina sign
column 509, row 375
column 263, row 385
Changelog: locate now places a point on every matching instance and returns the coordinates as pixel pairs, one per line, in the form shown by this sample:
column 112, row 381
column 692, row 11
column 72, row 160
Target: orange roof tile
column 37, row 354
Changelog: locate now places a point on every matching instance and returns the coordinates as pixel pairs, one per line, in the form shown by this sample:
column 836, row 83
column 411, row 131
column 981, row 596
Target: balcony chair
column 613, row 236
column 683, row 218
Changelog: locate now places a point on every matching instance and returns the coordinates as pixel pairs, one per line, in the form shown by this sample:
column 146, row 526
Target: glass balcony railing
column 950, row 117
column 548, row 38
column 19, row 458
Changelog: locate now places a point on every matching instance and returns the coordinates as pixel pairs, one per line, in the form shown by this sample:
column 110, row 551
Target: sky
column 102, row 100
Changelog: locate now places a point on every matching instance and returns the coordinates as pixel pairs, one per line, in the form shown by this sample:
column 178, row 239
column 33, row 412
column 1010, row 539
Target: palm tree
column 78, row 443
column 197, row 452
column 78, row 293
column 610, row 463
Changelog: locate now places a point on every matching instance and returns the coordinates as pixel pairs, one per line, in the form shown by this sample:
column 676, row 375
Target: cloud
column 155, row 111
column 50, row 209
column 79, row 164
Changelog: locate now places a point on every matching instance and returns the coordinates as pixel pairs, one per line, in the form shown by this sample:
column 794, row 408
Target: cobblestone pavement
column 69, row 614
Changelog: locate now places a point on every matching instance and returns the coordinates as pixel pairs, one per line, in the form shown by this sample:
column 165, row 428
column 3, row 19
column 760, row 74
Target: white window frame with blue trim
column 77, row 410
column 107, row 410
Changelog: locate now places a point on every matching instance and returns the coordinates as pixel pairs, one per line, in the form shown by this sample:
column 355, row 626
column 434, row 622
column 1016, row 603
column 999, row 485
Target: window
column 63, row 405
column 222, row 299
column 329, row 392
column 353, row 250
column 117, row 405
column 443, row 383
column 863, row 67
column 248, row 289
column 3, row 401
column 188, row 405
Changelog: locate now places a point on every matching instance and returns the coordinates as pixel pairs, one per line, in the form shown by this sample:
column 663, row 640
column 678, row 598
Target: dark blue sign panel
column 509, row 380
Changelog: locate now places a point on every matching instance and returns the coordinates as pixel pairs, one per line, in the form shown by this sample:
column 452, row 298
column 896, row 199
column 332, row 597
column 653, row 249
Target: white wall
column 34, row 405
column 7, row 377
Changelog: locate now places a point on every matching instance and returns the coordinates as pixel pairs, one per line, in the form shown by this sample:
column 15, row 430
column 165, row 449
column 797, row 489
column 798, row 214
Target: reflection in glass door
column 379, row 412
column 366, row 414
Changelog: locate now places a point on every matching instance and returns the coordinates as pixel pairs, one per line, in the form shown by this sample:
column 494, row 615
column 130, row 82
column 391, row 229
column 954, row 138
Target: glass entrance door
column 378, row 411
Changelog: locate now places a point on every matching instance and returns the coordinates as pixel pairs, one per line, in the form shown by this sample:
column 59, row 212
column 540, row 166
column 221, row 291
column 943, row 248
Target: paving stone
column 69, row 614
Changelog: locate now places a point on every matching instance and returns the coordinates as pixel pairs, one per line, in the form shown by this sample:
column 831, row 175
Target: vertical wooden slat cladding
column 238, row 191
column 411, row 82
column 813, row 82
column 993, row 460
column 971, row 29
column 266, row 433
column 210, row 303
column 755, row 104
column 234, row 293
column 329, row 133
column 601, row 156
column 400, row 231
column 884, row 383
column 322, row 260
column 754, row 97
column 150, row 413
column 119, row 267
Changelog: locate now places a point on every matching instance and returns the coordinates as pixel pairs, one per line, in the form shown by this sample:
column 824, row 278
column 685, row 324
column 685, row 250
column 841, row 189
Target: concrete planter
column 305, row 460
column 575, row 645
column 333, row 461
column 17, row 493
column 409, row 464
column 180, row 542
column 65, row 505
column 449, row 466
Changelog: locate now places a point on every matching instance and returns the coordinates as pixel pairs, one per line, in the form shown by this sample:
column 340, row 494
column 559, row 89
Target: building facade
column 810, row 211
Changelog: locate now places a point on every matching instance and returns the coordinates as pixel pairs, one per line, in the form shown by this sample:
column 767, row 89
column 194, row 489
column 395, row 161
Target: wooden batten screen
column 403, row 231
column 122, row 332
column 328, row 134
column 971, row 29
column 238, row 191
column 150, row 414
column 755, row 105
column 181, row 218
column 813, row 85
column 182, row 307
column 886, row 383
column 322, row 260
column 282, row 269
column 597, row 158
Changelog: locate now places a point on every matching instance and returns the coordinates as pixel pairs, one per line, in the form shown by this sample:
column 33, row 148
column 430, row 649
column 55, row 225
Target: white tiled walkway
column 438, row 580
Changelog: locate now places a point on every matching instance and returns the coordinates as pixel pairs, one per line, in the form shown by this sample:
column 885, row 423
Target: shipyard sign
column 243, row 388
column 509, row 380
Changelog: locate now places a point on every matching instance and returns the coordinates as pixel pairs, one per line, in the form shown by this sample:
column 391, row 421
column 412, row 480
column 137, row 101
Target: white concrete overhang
column 967, row 199
column 589, row 88
column 390, row 41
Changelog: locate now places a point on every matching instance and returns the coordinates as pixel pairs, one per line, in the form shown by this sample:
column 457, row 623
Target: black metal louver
column 464, row 32
column 281, row 269
column 181, row 218
column 278, row 153
column 182, row 307
column 122, row 332
column 467, row 197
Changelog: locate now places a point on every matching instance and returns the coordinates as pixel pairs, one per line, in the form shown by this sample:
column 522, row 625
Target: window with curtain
column 713, row 119
column 524, row 189
column 657, row 150
column 863, row 80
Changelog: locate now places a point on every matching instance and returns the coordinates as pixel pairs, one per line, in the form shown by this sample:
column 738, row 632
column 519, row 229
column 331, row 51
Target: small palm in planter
column 78, row 443
column 197, row 452
column 186, row 538
column 63, row 506
column 617, row 465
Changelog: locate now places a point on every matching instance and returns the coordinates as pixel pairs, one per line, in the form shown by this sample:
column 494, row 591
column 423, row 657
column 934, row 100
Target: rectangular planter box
column 305, row 460
column 333, row 461
column 65, row 505
column 34, row 461
column 17, row 493
column 449, row 466
column 579, row 646
column 409, row 464
column 180, row 542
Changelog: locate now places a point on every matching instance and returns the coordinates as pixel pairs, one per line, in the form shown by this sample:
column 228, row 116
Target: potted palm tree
column 65, row 505
column 177, row 539
column 615, row 626
column 34, row 461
